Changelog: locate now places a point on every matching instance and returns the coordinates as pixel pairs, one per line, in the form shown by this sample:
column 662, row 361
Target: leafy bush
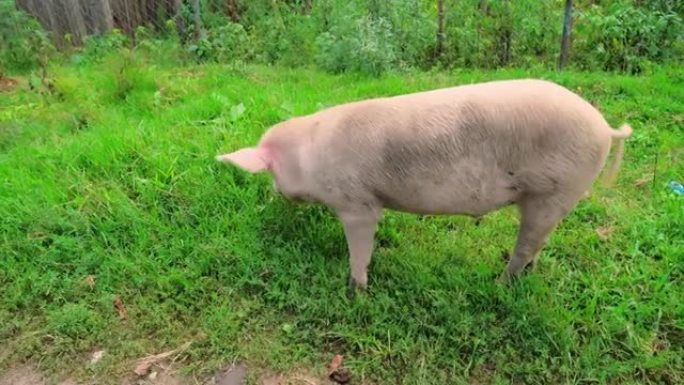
column 224, row 43
column 536, row 39
column 413, row 26
column 374, row 36
column 365, row 45
column 97, row 47
column 23, row 43
column 627, row 38
column 489, row 34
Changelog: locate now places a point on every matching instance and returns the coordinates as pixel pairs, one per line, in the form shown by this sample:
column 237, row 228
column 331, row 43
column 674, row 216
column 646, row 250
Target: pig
column 464, row 150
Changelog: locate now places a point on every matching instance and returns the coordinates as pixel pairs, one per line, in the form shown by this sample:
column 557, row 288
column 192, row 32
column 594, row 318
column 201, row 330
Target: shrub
column 626, row 38
column 224, row 43
column 97, row 47
column 365, row 45
column 23, row 43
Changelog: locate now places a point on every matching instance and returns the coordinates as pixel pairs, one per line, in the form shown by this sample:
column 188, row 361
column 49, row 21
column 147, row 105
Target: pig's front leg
column 359, row 229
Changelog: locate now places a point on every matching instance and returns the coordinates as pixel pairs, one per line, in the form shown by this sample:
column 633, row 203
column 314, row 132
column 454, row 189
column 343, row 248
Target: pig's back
column 465, row 149
column 519, row 105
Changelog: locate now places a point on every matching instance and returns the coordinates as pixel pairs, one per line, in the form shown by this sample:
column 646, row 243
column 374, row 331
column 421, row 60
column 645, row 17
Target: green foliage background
column 373, row 36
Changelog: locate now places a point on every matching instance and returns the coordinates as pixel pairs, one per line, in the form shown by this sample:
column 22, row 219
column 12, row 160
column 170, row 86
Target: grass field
column 109, row 188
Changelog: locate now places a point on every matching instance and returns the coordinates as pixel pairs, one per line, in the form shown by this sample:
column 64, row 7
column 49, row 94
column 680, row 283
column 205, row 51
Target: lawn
column 109, row 191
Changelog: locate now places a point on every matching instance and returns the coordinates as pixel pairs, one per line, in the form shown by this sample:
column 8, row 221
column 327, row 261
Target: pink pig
column 464, row 150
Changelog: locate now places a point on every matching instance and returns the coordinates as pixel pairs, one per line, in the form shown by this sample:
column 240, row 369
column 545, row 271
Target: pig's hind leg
column 539, row 216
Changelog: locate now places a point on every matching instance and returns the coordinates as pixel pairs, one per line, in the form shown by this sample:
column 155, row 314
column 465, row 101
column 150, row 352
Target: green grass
column 116, row 178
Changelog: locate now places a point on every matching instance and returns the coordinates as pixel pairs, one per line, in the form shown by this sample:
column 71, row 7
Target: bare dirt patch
column 296, row 378
column 159, row 376
column 165, row 374
column 22, row 375
column 232, row 375
column 26, row 375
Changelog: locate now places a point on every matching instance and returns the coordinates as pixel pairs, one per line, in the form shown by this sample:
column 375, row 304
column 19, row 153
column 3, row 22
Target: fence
column 73, row 20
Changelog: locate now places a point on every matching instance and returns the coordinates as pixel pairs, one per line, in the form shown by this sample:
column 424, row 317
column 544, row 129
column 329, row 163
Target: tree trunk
column 325, row 8
column 27, row 6
column 197, row 19
column 121, row 12
column 149, row 12
column 439, row 49
column 233, row 10
column 170, row 9
column 306, row 7
column 71, row 21
column 45, row 13
column 128, row 15
column 180, row 22
column 156, row 11
column 484, row 7
column 97, row 15
column 565, row 38
column 505, row 37
column 136, row 12
column 508, row 42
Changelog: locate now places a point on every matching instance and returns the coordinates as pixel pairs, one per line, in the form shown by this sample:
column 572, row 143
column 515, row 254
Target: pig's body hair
column 461, row 150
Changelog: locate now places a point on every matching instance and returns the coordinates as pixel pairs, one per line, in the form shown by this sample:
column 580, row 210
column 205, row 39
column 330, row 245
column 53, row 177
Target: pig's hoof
column 353, row 287
column 508, row 278
column 505, row 278
column 530, row 267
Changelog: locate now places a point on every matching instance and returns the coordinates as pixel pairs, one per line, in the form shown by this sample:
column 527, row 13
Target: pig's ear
column 251, row 159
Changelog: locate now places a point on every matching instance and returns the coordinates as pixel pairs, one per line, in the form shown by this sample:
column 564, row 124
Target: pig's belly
column 454, row 194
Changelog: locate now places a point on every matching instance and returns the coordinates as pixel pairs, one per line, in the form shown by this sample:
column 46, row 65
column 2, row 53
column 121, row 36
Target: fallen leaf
column 273, row 380
column 236, row 112
column 89, row 280
column 142, row 368
column 341, row 376
column 120, row 308
column 335, row 364
column 144, row 364
column 306, row 381
column 337, row 373
column 235, row 375
column 97, row 356
column 287, row 328
column 643, row 180
column 659, row 346
column 604, row 232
